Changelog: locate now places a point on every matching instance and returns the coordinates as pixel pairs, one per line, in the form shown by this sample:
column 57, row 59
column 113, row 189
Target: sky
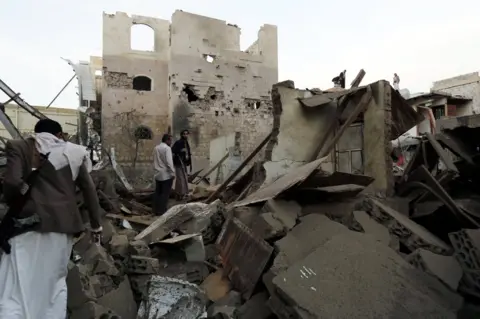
column 423, row 40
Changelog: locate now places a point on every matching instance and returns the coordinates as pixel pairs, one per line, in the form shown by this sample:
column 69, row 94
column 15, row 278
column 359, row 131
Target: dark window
column 142, row 83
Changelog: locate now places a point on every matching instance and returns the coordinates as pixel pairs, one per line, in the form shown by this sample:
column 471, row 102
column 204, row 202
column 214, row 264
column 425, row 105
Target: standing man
column 182, row 158
column 40, row 234
column 396, row 82
column 164, row 174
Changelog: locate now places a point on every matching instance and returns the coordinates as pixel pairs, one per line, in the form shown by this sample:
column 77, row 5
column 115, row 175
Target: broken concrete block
column 256, row 307
column 91, row 310
column 466, row 244
column 193, row 272
column 216, row 286
column 119, row 246
column 100, row 261
column 130, row 233
column 268, row 227
column 410, row 234
column 191, row 245
column 102, row 284
column 286, row 212
column 139, row 248
column 172, row 298
column 313, row 231
column 121, row 301
column 139, row 284
column 360, row 268
column 79, row 289
column 108, row 231
column 143, row 265
column 378, row 231
column 246, row 214
column 221, row 311
column 445, row 268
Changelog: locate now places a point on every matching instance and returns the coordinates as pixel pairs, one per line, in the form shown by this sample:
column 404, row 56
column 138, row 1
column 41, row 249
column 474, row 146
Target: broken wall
column 297, row 131
column 215, row 88
column 467, row 85
column 123, row 107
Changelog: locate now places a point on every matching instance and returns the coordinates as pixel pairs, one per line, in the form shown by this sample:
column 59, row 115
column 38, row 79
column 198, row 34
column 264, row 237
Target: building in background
column 194, row 77
column 25, row 122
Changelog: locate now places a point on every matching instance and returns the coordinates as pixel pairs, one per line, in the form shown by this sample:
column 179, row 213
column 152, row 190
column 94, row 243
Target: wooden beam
column 324, row 147
column 358, row 79
column 212, row 169
column 224, row 185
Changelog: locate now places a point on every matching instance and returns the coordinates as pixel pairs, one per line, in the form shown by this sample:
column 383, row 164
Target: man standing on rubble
column 182, row 158
column 396, row 82
column 33, row 267
column 164, row 174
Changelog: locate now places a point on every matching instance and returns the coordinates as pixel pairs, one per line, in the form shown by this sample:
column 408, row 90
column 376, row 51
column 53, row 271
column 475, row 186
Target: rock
column 100, row 261
column 79, row 289
column 119, row 246
column 445, row 268
column 356, row 267
column 143, row 265
column 139, row 248
column 121, row 301
column 216, row 286
column 277, row 218
column 91, row 310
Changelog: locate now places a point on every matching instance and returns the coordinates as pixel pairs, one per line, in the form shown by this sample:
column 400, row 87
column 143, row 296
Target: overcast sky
column 422, row 40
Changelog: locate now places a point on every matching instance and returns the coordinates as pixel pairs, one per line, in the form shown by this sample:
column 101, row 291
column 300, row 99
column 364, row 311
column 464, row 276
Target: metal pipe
column 64, row 87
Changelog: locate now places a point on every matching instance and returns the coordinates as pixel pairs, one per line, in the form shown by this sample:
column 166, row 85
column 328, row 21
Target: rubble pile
column 310, row 242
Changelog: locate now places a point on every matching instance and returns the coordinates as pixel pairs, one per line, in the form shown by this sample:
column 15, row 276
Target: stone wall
column 123, row 107
column 215, row 88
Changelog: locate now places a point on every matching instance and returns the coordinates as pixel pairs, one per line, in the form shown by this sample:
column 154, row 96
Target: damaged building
column 196, row 78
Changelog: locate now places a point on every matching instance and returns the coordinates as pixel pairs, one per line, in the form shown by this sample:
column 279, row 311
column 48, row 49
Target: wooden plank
column 223, row 186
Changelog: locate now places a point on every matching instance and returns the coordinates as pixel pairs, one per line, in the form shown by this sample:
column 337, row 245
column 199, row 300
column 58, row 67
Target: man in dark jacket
column 182, row 158
column 33, row 275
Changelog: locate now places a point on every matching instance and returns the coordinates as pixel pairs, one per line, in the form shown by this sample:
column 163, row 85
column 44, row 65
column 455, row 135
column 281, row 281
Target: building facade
column 196, row 78
column 25, row 122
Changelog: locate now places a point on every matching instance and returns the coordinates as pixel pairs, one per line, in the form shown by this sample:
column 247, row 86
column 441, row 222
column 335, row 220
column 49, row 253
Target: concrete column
column 377, row 126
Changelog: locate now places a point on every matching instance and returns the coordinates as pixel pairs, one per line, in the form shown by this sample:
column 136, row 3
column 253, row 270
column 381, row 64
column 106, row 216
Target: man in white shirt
column 164, row 174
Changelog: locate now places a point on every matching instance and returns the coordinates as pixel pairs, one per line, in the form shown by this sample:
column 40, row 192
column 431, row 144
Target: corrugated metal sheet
column 244, row 255
column 282, row 184
column 85, row 79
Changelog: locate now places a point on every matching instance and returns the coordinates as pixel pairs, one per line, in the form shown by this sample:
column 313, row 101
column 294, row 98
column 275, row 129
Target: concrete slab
column 371, row 227
column 445, row 268
column 313, row 231
column 121, row 300
column 355, row 276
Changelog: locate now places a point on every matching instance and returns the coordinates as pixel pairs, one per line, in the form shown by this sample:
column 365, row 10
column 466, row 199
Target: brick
column 143, row 265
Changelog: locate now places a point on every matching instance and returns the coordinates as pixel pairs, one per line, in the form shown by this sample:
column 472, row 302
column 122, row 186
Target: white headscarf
column 62, row 153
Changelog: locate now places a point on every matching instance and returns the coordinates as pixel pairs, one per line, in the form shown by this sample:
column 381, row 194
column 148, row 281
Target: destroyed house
column 194, row 77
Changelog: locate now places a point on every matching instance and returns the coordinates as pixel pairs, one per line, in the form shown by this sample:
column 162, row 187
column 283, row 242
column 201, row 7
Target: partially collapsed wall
column 196, row 78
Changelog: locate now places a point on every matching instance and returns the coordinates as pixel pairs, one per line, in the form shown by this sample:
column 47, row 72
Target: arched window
column 142, row 38
column 142, row 83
